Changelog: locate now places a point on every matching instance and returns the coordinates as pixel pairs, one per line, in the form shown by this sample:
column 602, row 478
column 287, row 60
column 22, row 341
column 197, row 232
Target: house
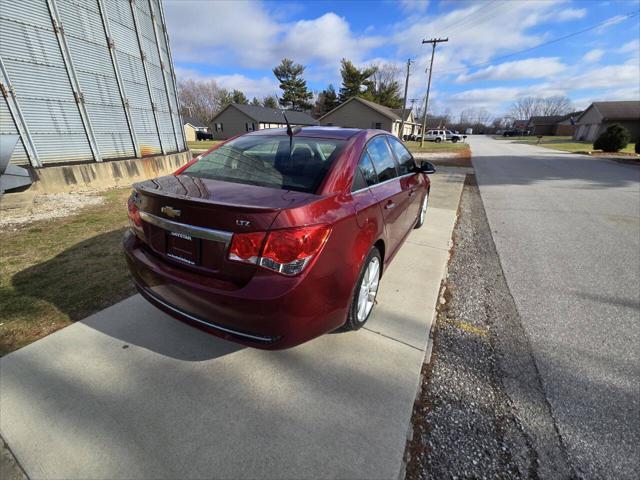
column 544, row 125
column 567, row 126
column 236, row 119
column 360, row 113
column 191, row 127
column 600, row 115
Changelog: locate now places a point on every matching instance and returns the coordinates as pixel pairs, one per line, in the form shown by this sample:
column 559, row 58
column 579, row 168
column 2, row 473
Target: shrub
column 638, row 146
column 615, row 138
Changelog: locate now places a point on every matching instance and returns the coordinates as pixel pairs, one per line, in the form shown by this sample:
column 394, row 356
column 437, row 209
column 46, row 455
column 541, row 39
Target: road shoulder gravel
column 481, row 411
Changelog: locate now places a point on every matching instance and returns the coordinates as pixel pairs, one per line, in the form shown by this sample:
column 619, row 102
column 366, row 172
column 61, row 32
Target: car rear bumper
column 271, row 311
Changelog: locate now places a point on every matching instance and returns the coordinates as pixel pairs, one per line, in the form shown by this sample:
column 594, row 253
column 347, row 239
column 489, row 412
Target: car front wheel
column 364, row 296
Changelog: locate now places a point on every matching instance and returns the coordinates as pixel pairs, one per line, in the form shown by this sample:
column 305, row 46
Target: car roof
column 337, row 133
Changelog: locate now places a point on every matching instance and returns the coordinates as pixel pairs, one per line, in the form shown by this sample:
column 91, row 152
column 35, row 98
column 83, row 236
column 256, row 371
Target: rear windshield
column 266, row 161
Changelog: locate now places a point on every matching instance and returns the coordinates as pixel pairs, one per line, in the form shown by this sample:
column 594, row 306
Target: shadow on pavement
column 91, row 276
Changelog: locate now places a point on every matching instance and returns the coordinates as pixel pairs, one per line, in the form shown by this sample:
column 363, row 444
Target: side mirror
column 426, row 167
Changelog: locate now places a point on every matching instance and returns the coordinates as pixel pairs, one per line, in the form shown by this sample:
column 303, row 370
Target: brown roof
column 392, row 113
column 623, row 110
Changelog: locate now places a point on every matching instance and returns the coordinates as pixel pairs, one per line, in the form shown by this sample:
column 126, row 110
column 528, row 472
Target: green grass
column 55, row 272
column 566, row 144
column 203, row 144
column 437, row 147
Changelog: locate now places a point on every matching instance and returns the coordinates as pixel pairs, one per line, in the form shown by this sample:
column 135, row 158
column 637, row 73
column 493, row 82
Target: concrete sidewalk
column 132, row 393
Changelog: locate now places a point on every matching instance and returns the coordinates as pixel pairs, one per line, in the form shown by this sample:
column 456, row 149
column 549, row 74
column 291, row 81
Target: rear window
column 265, row 160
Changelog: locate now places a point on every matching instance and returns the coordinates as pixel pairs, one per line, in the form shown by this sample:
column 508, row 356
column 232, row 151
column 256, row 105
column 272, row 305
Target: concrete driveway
column 132, row 393
column 567, row 229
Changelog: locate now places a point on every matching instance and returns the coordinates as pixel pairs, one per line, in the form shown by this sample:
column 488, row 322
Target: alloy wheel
column 368, row 289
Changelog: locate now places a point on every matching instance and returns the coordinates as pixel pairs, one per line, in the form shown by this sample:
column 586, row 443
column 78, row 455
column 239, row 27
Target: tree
column 526, row 107
column 255, row 101
column 239, row 97
column 327, row 100
column 355, row 82
column 295, row 95
column 201, row 99
column 613, row 139
column 270, row 101
column 385, row 88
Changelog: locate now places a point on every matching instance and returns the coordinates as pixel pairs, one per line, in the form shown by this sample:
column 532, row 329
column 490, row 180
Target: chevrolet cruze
column 277, row 236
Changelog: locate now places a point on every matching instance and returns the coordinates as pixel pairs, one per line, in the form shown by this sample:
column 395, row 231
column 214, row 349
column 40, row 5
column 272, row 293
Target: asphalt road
column 567, row 230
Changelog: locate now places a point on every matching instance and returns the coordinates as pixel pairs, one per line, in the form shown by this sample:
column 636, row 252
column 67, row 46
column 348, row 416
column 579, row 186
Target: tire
column 438, row 140
column 423, row 211
column 454, row 139
column 356, row 317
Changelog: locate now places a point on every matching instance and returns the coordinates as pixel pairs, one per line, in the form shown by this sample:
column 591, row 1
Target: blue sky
column 237, row 43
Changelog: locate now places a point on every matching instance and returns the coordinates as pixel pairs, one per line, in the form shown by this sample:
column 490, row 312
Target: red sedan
column 275, row 237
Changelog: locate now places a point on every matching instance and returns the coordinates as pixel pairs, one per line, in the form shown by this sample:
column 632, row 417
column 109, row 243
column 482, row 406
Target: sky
column 483, row 64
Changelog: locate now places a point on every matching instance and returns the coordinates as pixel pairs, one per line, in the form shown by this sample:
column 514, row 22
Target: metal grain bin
column 87, row 80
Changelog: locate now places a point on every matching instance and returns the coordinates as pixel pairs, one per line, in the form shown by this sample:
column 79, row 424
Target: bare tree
column 202, row 99
column 526, row 107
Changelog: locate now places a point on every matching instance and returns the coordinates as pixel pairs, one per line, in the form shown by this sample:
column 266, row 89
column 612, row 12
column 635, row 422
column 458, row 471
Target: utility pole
column 433, row 42
column 404, row 102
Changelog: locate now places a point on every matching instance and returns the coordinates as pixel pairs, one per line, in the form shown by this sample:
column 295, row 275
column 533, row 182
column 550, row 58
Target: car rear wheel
column 364, row 296
column 438, row 140
column 423, row 211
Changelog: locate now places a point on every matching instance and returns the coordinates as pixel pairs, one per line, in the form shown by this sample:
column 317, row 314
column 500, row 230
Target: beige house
column 597, row 118
column 236, row 119
column 360, row 113
column 191, row 127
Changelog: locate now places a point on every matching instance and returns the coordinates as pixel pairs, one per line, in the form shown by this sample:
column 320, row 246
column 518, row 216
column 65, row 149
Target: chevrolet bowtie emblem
column 170, row 212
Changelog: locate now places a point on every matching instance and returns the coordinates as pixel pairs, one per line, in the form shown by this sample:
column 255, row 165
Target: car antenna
column 291, row 132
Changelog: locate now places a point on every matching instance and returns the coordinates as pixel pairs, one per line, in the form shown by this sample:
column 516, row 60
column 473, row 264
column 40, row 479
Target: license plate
column 183, row 247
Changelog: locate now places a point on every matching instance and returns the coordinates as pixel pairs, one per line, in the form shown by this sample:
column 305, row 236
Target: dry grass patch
column 55, row 272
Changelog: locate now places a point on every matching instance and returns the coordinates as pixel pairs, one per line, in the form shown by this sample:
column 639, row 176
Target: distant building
column 567, row 126
column 562, row 125
column 360, row 113
column 191, row 128
column 595, row 119
column 236, row 119
column 544, row 125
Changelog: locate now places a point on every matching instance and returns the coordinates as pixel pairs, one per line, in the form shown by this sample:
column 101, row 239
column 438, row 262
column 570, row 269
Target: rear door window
column 404, row 157
column 382, row 159
column 365, row 175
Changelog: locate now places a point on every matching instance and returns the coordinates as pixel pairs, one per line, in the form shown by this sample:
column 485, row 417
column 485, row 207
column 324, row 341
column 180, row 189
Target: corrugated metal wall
column 87, row 80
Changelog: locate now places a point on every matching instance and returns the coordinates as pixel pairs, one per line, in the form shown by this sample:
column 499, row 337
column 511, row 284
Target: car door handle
column 412, row 192
column 389, row 205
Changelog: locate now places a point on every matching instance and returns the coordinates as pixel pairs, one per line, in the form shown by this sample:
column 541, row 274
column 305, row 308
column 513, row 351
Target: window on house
column 378, row 125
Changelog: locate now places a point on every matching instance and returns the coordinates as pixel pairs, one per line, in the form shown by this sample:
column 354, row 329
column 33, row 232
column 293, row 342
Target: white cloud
column 630, row 47
column 327, row 38
column 569, row 14
column 593, row 55
column 414, row 6
column 247, row 34
column 251, row 87
column 530, row 68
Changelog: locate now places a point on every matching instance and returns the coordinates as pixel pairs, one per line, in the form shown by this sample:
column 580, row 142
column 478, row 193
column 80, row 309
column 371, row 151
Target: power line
column 543, row 44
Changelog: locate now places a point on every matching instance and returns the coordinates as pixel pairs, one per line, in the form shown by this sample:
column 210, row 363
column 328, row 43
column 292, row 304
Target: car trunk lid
column 190, row 220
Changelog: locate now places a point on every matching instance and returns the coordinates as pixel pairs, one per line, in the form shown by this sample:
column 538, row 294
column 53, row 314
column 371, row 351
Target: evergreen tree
column 295, row 95
column 355, row 82
column 270, row 101
column 255, row 101
column 327, row 100
column 225, row 98
column 239, row 97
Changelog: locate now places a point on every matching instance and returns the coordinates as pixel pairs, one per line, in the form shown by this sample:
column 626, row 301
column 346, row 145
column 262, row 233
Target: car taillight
column 245, row 247
column 286, row 251
column 134, row 215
